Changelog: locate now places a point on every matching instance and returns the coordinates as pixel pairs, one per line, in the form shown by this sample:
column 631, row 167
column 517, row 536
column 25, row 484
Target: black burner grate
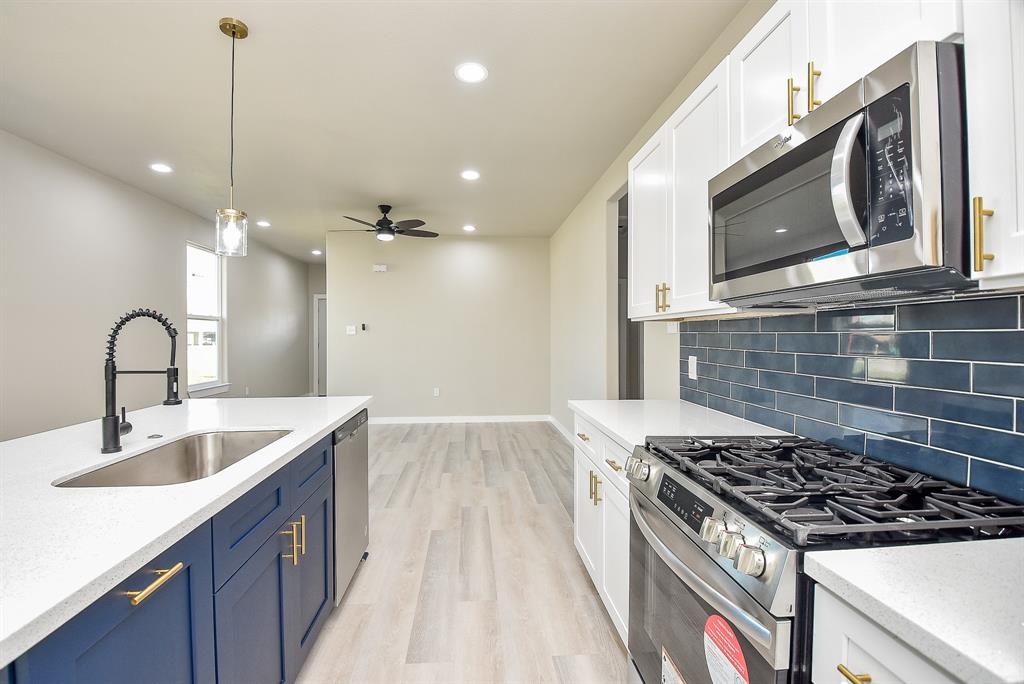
column 814, row 491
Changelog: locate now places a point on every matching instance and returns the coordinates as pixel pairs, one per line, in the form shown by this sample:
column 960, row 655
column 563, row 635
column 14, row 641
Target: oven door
column 688, row 620
column 800, row 220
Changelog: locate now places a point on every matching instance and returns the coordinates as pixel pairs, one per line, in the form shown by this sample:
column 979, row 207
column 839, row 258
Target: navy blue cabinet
column 156, row 625
column 310, row 589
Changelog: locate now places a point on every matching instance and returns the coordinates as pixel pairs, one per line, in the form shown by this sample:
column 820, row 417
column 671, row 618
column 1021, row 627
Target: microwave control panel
column 891, row 206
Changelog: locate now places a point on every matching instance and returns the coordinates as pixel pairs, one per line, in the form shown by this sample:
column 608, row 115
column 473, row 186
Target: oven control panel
column 890, row 189
column 681, row 501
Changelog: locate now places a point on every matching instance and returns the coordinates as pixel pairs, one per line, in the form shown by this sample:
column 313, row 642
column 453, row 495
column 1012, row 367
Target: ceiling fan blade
column 412, row 232
column 409, row 223
column 365, row 223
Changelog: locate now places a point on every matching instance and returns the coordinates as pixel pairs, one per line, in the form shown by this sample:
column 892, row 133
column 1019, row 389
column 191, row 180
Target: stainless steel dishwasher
column 351, row 500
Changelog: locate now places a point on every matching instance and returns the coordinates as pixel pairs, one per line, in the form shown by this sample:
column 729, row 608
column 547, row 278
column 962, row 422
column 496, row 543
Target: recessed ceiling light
column 263, row 223
column 782, row 230
column 471, row 72
column 469, row 228
column 317, row 252
column 160, row 167
column 470, row 174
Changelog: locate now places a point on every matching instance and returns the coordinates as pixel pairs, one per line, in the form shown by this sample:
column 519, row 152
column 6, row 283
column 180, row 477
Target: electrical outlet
column 692, row 367
column 350, row 330
column 437, row 391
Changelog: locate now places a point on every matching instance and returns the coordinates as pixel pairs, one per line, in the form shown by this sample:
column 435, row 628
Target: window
column 205, row 334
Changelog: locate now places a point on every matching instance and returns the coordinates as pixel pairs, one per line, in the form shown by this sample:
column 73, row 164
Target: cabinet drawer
column 587, row 437
column 241, row 528
column 844, row 636
column 311, row 469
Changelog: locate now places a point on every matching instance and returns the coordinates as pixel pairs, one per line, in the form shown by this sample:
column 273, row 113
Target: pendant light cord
column 231, row 162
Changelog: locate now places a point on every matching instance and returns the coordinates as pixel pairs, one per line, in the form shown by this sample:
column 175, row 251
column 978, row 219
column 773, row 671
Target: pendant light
column 232, row 224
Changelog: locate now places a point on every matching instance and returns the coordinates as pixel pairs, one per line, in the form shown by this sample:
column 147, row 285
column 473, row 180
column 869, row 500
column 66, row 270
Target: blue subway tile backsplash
column 937, row 386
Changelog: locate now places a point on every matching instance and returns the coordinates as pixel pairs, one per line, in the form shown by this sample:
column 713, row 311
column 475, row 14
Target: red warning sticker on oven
column 722, row 652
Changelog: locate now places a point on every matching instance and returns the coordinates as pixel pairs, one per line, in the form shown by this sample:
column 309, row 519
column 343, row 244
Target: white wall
column 584, row 346
column 466, row 314
column 77, row 250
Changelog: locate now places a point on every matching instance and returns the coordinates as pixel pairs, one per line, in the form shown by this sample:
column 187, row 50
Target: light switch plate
column 350, row 330
column 380, row 268
column 692, row 367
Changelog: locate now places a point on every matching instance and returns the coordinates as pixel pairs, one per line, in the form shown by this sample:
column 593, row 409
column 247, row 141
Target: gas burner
column 812, row 491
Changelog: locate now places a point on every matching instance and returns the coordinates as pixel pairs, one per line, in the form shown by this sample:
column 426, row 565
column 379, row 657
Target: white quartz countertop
column 630, row 422
column 63, row 548
column 960, row 604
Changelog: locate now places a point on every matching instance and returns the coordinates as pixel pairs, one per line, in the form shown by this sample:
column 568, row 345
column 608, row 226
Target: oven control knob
column 749, row 560
column 711, row 529
column 729, row 543
column 637, row 469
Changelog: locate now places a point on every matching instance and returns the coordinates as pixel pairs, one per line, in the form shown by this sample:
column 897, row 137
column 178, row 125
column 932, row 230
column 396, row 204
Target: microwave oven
column 864, row 198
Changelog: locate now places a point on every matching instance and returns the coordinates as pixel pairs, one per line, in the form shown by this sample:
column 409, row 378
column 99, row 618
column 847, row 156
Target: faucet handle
column 125, row 427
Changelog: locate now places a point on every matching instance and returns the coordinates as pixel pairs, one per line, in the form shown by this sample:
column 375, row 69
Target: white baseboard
column 398, row 420
column 562, row 430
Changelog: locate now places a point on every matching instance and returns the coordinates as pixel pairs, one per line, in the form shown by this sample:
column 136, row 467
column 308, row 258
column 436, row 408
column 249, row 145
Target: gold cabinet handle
column 597, row 497
column 980, row 255
column 296, row 549
column 164, row 577
column 812, row 74
column 853, row 678
column 302, row 546
column 657, row 298
column 591, row 495
column 664, row 296
column 583, row 436
column 612, row 464
column 791, row 114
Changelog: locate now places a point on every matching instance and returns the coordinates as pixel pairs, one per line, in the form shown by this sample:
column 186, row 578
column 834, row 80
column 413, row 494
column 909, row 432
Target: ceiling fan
column 386, row 229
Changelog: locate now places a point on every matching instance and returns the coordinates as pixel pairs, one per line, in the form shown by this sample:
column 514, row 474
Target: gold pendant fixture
column 232, row 224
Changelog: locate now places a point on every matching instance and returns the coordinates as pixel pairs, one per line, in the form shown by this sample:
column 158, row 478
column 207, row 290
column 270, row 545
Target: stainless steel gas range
column 719, row 526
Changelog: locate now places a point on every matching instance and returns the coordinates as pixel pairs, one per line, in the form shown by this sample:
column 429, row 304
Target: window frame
column 221, row 384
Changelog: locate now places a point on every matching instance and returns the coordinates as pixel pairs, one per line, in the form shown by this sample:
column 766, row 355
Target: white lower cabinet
column 843, row 637
column 601, row 519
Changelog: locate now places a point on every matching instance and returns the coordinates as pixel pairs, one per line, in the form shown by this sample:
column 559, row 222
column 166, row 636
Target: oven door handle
column 744, row 621
column 839, row 181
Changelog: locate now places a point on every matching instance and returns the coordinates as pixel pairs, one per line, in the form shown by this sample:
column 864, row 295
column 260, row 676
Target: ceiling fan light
column 385, row 234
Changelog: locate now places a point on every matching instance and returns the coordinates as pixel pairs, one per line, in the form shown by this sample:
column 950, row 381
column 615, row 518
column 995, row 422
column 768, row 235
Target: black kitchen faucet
column 114, row 426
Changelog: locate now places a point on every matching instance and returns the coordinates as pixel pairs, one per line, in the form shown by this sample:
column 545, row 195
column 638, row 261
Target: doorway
column 631, row 333
column 320, row 345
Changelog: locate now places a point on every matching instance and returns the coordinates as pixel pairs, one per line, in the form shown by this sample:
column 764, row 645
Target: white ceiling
column 341, row 106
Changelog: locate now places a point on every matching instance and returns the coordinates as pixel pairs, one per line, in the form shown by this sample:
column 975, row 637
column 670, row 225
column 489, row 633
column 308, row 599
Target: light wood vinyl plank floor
column 472, row 574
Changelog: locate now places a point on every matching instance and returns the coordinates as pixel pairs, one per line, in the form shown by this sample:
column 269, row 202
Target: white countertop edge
column 29, row 633
column 947, row 654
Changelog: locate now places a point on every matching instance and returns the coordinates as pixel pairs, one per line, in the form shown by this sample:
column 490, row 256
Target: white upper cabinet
column 698, row 141
column 994, row 66
column 648, row 225
column 849, row 38
column 773, row 52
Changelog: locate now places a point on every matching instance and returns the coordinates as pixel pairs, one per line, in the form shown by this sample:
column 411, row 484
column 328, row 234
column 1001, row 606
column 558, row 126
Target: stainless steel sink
column 183, row 460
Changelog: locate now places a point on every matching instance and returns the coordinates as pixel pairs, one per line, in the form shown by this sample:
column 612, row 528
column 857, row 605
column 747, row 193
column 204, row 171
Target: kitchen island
column 64, row 548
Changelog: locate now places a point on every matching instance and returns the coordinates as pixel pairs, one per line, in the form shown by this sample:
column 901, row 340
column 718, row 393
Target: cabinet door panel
column 615, row 575
column 698, row 135
column 648, row 224
column 252, row 616
column 773, row 51
column 849, row 38
column 111, row 641
column 586, row 517
column 310, row 587
column 994, row 66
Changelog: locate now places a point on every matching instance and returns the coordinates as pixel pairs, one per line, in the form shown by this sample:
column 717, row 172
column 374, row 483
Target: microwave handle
column 842, row 200
column 741, row 619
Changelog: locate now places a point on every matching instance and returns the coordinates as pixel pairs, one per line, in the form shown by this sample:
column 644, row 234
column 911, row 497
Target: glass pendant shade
column 232, row 230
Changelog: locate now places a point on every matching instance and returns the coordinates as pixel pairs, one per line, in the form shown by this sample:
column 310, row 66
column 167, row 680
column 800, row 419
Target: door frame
column 313, row 390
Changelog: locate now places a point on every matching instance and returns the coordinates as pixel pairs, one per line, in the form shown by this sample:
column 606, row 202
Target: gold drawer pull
column 791, row 114
column 583, row 436
column 853, row 678
column 165, row 576
column 296, row 549
column 980, row 255
column 302, row 547
column 614, row 466
column 812, row 74
column 597, row 497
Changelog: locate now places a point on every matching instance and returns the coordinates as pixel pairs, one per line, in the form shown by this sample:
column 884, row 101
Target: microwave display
column 891, row 204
